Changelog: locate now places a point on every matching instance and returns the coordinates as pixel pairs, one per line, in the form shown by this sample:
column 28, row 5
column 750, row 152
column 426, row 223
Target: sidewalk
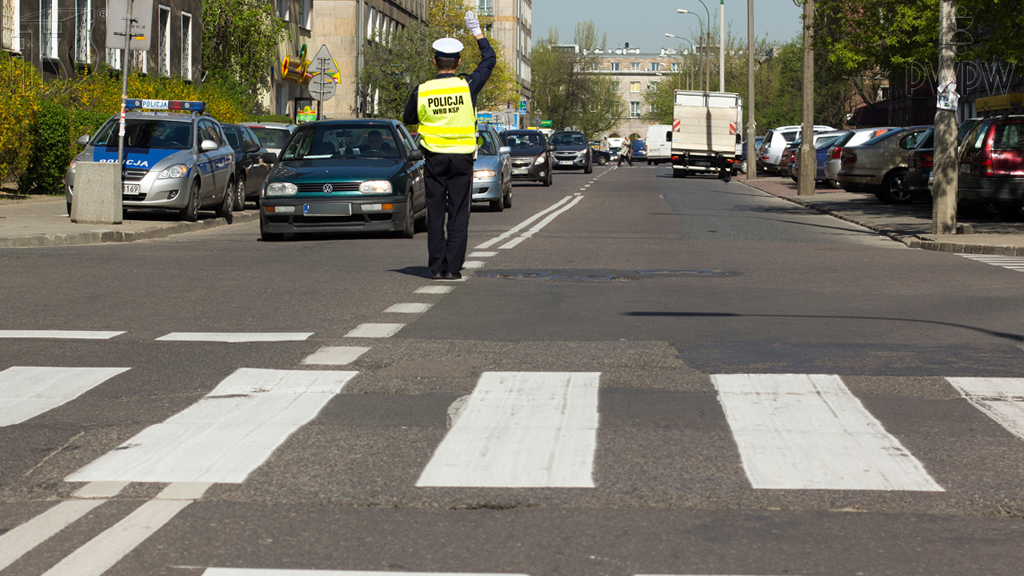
column 910, row 224
column 43, row 221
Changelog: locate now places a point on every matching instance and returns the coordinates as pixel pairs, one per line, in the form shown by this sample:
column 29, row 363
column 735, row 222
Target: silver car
column 492, row 170
column 273, row 135
column 172, row 161
column 835, row 152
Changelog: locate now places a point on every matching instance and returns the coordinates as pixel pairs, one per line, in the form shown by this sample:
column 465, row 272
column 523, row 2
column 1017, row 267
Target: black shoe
column 437, row 276
column 452, row 276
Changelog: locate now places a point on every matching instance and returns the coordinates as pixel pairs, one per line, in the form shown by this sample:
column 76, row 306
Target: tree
column 240, row 39
column 565, row 88
column 409, row 62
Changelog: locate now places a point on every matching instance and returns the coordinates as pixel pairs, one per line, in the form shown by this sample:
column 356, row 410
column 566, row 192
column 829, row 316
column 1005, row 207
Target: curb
column 910, row 240
column 104, row 236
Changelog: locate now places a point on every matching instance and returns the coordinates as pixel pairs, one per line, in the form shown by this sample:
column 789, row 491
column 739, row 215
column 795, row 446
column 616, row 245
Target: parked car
column 921, row 162
column 602, row 157
column 492, row 170
column 743, row 154
column 776, row 142
column 787, row 158
column 639, row 148
column 991, row 165
column 659, row 143
column 879, row 164
column 252, row 163
column 345, row 175
column 853, row 138
column 531, row 155
column 172, row 161
column 273, row 135
column 822, row 144
column 573, row 151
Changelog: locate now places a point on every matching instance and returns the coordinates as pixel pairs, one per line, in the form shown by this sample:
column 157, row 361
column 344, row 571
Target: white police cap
column 447, row 48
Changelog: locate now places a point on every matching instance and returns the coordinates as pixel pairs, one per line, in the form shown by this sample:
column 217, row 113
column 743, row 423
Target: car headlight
column 480, row 174
column 176, row 171
column 73, row 164
column 375, row 187
column 540, row 159
column 281, row 189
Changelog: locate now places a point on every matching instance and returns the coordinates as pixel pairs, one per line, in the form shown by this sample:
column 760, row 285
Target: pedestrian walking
column 626, row 153
column 445, row 109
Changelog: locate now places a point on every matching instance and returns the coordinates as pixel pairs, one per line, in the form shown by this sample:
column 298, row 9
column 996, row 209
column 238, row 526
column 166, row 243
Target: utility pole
column 721, row 47
column 751, row 129
column 808, row 162
column 945, row 169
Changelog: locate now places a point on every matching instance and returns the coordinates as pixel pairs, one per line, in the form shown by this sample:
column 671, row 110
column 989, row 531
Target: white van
column 659, row 143
column 615, row 144
column 776, row 142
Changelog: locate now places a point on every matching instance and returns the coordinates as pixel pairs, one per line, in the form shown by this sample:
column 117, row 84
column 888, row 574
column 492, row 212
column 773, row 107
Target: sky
column 643, row 23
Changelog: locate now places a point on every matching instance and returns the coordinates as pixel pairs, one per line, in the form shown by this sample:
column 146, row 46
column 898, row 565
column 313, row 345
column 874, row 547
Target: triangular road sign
column 322, row 62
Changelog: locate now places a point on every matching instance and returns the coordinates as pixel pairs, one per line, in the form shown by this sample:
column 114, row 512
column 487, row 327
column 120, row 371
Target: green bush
column 50, row 152
column 85, row 122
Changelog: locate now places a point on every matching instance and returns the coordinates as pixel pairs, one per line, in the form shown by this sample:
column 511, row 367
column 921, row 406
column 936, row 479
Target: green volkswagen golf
column 345, row 175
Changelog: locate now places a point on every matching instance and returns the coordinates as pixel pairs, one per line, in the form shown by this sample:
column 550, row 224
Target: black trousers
column 626, row 158
column 449, row 182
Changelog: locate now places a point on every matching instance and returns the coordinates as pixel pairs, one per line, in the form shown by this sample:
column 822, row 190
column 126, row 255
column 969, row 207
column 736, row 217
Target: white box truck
column 705, row 129
column 659, row 143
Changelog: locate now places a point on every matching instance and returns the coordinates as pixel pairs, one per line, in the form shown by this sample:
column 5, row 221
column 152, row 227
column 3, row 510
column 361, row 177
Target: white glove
column 473, row 24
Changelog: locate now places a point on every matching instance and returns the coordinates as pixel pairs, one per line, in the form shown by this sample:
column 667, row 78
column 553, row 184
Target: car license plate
column 332, row 209
column 565, row 162
column 520, row 170
column 131, row 189
column 702, row 163
column 965, row 168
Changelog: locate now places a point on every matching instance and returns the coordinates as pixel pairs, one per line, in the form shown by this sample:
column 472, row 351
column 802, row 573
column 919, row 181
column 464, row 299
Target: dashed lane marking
column 375, row 331
column 335, row 355
column 409, row 308
column 235, row 337
column 60, row 334
column 434, row 289
column 284, row 572
column 473, row 264
column 482, row 254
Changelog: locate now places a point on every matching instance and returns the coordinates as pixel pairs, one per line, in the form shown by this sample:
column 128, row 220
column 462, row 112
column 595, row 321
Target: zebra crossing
column 1008, row 262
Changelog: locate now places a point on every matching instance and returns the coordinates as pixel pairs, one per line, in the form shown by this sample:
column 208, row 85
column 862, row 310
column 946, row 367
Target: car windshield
column 341, row 141
column 826, row 142
column 147, row 133
column 523, row 140
column 568, row 139
column 271, row 137
column 882, row 137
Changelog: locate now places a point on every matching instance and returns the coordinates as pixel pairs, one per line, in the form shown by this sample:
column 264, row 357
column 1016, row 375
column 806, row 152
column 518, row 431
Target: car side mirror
column 552, row 148
column 269, row 157
column 83, row 140
column 414, row 155
column 208, row 146
column 505, row 150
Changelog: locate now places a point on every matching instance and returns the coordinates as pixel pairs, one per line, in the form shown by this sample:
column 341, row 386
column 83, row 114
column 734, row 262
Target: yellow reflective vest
column 447, row 118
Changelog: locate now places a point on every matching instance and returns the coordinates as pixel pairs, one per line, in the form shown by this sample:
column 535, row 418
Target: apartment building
column 637, row 72
column 64, row 37
column 513, row 22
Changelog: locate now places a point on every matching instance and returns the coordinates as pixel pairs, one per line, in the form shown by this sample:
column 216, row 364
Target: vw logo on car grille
column 328, row 188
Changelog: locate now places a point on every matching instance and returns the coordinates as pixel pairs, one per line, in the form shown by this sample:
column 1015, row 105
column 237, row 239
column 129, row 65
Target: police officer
column 445, row 109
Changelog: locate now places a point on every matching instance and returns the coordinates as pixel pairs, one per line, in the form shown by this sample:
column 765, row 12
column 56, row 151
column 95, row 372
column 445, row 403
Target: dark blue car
column 639, row 149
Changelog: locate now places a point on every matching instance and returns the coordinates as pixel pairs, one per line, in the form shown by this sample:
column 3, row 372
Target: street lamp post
column 688, row 68
column 721, row 46
column 703, row 57
column 707, row 39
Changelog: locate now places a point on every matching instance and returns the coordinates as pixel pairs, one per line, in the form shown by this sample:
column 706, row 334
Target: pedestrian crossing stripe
column 1009, row 262
column 286, row 572
column 224, row 436
column 809, row 432
column 521, row 430
column 60, row 334
column 235, row 337
column 1001, row 399
column 28, row 391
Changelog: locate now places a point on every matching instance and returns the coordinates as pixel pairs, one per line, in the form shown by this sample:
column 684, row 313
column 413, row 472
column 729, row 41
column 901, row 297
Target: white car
column 854, row 138
column 775, row 143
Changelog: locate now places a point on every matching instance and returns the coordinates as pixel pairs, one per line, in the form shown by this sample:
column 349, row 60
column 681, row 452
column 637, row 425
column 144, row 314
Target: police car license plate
column 565, row 162
column 131, row 189
column 520, row 170
column 332, row 209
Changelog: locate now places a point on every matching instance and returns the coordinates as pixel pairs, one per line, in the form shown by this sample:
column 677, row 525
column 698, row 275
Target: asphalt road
column 640, row 375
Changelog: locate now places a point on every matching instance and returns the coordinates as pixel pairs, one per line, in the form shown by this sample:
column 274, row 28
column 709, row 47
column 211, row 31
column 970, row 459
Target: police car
column 175, row 158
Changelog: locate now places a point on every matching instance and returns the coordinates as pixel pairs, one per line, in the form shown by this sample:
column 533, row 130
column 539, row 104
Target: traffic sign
column 322, row 87
column 322, row 62
column 142, row 16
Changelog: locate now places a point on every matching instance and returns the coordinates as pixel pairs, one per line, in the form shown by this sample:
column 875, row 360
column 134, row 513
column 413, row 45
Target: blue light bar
column 170, row 105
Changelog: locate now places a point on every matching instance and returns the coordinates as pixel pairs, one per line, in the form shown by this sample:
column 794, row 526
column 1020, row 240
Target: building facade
column 63, row 38
column 512, row 28
column 636, row 72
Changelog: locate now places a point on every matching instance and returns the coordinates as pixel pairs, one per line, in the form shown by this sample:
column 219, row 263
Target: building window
column 634, row 87
column 140, row 61
column 186, row 45
column 83, row 14
column 653, row 85
column 486, row 7
column 634, row 109
column 164, row 38
column 305, row 13
column 114, row 58
column 634, row 66
column 48, row 28
column 615, row 66
column 282, row 9
column 675, row 66
column 655, row 66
